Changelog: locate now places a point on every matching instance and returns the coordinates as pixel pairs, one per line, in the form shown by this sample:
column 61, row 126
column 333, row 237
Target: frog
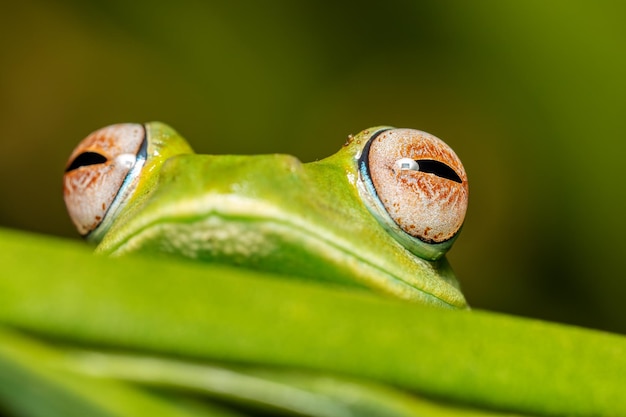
column 378, row 215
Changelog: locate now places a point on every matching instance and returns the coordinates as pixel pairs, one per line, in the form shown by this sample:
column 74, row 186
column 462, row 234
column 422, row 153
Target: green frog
column 379, row 214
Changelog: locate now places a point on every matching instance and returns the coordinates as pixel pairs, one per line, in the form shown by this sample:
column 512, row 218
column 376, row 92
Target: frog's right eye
column 101, row 172
column 416, row 187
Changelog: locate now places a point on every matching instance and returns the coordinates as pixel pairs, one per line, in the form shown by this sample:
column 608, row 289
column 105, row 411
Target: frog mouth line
column 167, row 220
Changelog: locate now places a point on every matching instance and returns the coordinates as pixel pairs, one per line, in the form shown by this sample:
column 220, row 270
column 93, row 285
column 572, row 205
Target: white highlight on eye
column 407, row 164
column 126, row 160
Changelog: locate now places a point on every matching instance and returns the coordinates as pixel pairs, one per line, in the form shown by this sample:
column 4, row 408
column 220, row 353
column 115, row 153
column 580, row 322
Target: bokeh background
column 530, row 94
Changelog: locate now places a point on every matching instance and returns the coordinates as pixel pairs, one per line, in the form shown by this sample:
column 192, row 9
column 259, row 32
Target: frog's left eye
column 101, row 172
column 416, row 187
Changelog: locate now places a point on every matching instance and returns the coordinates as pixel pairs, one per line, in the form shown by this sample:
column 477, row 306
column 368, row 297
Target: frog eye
column 101, row 172
column 418, row 185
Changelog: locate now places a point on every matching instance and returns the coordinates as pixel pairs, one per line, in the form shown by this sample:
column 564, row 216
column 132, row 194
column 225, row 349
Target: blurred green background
column 530, row 94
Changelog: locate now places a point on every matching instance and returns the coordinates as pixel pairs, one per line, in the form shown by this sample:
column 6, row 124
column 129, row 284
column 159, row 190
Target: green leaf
column 29, row 386
column 55, row 288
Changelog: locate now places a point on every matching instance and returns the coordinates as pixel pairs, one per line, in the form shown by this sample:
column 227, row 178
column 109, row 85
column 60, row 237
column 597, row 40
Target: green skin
column 248, row 337
column 276, row 214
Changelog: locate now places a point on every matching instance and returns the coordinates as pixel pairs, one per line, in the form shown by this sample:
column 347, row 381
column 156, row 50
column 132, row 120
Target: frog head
column 379, row 214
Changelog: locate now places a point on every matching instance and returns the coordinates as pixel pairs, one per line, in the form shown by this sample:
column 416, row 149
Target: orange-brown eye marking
column 97, row 170
column 420, row 182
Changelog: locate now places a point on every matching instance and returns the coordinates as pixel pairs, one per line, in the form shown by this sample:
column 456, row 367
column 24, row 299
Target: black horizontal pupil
column 85, row 159
column 439, row 169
